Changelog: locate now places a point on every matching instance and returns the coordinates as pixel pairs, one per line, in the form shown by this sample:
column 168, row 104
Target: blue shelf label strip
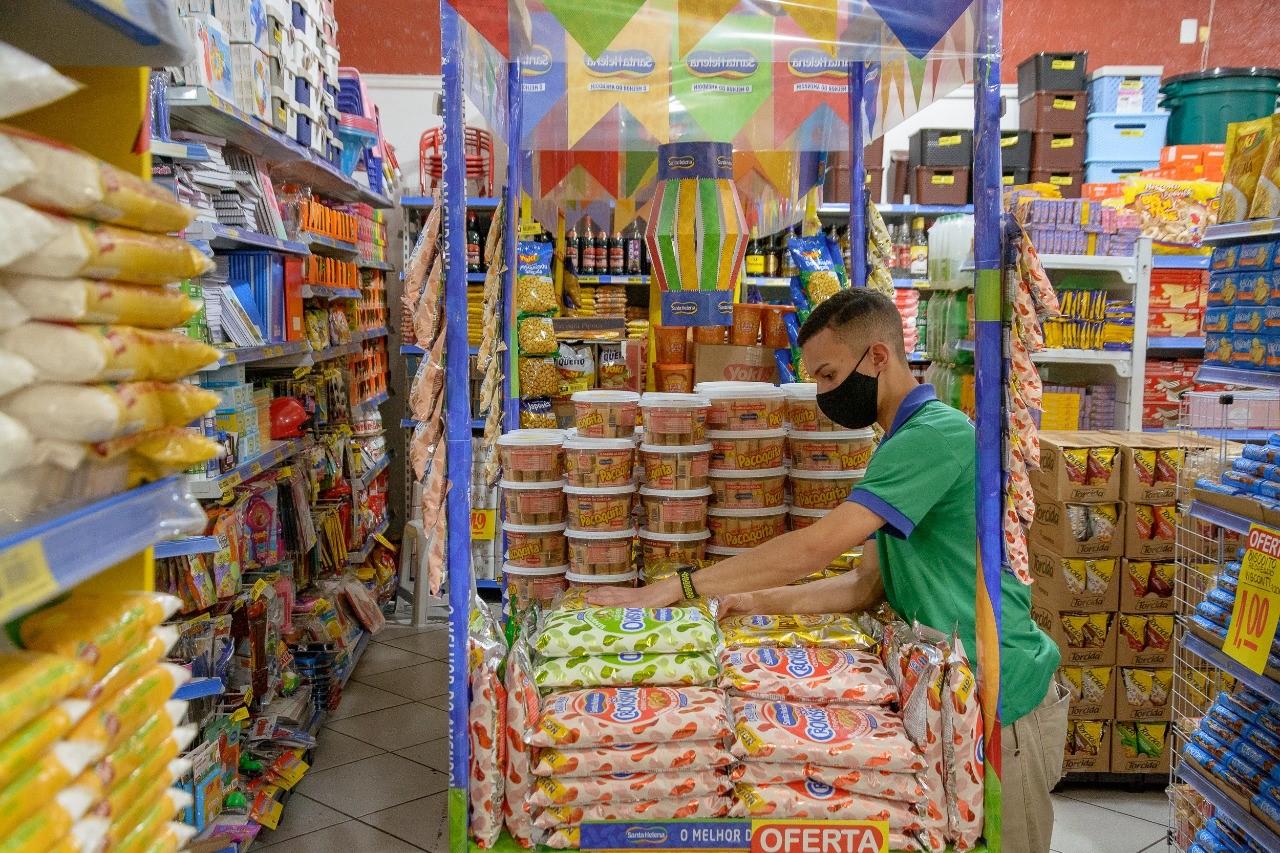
column 667, row 835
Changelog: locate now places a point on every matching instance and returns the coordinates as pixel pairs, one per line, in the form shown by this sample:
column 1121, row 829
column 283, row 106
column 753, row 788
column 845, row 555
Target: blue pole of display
column 857, row 181
column 989, row 384
column 457, row 418
column 515, row 119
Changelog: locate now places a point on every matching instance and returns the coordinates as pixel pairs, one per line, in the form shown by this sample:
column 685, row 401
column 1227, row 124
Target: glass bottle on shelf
column 633, row 249
column 919, row 250
column 586, row 249
column 602, row 252
column 769, row 249
column 473, row 243
column 787, row 263
column 571, row 264
column 617, row 257
column 902, row 247
column 755, row 255
column 842, row 237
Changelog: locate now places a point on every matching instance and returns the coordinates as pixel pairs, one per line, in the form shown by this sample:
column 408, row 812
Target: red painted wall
column 403, row 36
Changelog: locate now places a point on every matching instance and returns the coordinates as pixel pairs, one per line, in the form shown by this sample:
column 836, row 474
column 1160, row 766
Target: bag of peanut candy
column 486, row 726
column 522, row 711
column 962, row 751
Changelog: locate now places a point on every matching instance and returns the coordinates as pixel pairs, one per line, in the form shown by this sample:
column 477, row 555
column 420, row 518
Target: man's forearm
column 847, row 593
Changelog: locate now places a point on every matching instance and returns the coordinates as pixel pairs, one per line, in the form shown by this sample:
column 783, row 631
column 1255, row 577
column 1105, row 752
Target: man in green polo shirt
column 918, row 500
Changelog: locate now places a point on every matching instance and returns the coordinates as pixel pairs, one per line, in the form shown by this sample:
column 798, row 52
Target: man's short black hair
column 860, row 311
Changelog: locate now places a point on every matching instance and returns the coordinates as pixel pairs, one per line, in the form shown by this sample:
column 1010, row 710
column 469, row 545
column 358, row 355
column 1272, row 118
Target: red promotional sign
column 819, row 836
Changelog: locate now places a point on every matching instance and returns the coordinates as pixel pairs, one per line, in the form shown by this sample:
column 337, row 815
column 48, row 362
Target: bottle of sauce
column 919, row 250
column 617, row 257
column 473, row 243
column 587, row 249
column 634, row 250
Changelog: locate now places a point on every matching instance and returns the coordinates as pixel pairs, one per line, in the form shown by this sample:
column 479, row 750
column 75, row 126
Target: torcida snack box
column 1085, row 639
column 1077, row 467
column 1082, row 584
column 1079, row 530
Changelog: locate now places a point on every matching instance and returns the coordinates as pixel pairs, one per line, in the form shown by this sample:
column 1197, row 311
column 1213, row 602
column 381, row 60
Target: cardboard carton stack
column 1104, row 589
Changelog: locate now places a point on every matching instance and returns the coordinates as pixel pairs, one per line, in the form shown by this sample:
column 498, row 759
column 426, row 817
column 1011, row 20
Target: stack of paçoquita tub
column 674, row 459
column 747, row 467
column 601, row 490
column 533, row 503
column 827, row 461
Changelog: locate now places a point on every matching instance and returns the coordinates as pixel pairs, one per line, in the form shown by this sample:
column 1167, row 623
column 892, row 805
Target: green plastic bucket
column 1201, row 104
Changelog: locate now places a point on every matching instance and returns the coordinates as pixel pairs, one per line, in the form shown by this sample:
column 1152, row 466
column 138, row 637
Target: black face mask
column 852, row 403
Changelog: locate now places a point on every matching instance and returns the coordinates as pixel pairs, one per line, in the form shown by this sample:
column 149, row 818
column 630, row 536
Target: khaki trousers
column 1031, row 753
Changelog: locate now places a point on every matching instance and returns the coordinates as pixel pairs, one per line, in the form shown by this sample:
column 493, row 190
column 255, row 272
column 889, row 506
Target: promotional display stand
column 547, row 91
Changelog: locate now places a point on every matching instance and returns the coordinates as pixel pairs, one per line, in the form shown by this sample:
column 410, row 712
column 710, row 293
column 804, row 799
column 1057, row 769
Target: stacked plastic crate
column 1126, row 131
column 303, row 46
column 1051, row 105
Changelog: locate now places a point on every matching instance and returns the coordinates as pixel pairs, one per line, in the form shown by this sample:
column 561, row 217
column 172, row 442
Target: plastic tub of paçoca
column 743, row 405
column 674, row 419
column 674, row 510
column 656, row 548
column 604, row 413
column 675, row 467
column 535, row 546
column 532, row 455
column 597, row 462
column 745, row 528
column 604, row 509
column 733, row 489
column 803, row 412
column 534, row 584
column 625, row 579
column 533, row 502
column 747, row 450
column 822, row 489
column 600, row 552
column 842, row 450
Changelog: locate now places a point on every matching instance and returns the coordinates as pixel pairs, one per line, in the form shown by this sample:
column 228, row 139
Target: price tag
column 1257, row 608
column 258, row 588
column 945, row 180
column 947, row 141
column 1064, row 103
column 1060, row 180
column 1133, row 131
column 25, row 578
column 1063, row 65
column 483, row 523
column 1062, row 142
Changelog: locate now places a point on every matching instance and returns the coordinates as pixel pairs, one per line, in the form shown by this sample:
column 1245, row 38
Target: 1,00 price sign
column 1257, row 608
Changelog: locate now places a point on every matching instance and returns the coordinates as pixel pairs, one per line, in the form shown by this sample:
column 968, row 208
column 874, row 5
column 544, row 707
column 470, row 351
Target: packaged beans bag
column 522, row 711
column 625, row 670
column 632, row 758
column 486, row 727
column 862, row 737
column 618, row 715
column 602, row 630
column 627, row 787
column 810, row 675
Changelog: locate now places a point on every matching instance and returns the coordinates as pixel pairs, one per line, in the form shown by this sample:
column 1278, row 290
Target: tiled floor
column 381, row 769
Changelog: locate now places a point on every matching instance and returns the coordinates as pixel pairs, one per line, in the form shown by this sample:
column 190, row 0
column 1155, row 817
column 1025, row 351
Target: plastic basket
column 1126, row 136
column 1202, row 104
column 1125, row 89
column 1114, row 171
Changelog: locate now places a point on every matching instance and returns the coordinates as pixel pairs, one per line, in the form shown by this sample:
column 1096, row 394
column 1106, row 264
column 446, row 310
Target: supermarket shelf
column 337, row 351
column 485, row 583
column 1233, row 434
column 476, row 277
column 1225, row 805
column 97, row 32
column 1265, row 685
column 376, row 400
column 186, row 547
column 206, row 488
column 375, row 265
column 1119, row 359
column 1180, row 262
column 49, row 557
column 245, row 355
column 317, row 291
column 473, row 202
column 909, row 283
column 199, row 688
column 411, row 349
column 771, row 281
column 1221, row 517
column 323, row 241
column 201, row 110
column 613, row 279
column 366, row 478
column 1231, row 231
column 354, row 657
column 221, row 236
column 369, row 334
column 918, row 358
column 192, row 152
column 1238, row 376
column 1126, row 266
column 842, row 209
column 1174, row 343
column 357, row 557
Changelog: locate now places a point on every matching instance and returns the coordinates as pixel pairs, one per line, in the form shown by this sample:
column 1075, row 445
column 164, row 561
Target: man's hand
column 736, row 604
column 660, row 594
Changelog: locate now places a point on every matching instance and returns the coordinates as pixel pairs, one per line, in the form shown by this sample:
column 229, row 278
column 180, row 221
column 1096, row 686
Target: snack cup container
column 601, row 509
column 803, row 413
column 670, row 467
column 533, row 503
column 745, row 331
column 674, row 378
column 745, row 528
column 743, row 405
column 600, row 552
column 746, row 450
column 716, row 553
column 592, row 581
column 801, row 517
column 526, row 585
column 531, row 455
column 672, row 342
column 675, row 511
column 821, row 489
column 678, row 419
column 773, row 332
column 605, row 413
column 597, row 462
column 845, row 450
column 710, row 334
column 535, row 546
column 679, row 547
column 734, row 489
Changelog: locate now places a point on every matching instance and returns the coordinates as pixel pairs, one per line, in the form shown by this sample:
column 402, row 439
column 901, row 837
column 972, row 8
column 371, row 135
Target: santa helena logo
column 536, row 62
column 733, row 64
column 817, row 724
column 799, row 662
column 811, row 62
column 684, row 309
column 818, row 791
column 646, row 835
column 621, row 63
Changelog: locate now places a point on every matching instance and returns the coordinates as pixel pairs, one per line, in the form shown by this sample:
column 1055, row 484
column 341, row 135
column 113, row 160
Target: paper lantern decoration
column 697, row 235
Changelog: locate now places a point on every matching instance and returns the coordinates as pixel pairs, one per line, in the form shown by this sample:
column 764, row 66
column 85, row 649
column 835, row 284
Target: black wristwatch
column 687, row 589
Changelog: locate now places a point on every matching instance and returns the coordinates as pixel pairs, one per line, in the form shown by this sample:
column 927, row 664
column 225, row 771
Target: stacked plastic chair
column 359, row 128
column 478, row 148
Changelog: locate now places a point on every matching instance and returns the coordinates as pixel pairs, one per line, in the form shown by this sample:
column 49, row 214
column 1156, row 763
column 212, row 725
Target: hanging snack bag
column 614, row 630
column 852, row 737
column 818, row 277
column 963, row 768
column 535, row 289
column 632, row 758
column 486, row 727
column 807, row 675
column 522, row 711
column 627, row 715
column 626, row 670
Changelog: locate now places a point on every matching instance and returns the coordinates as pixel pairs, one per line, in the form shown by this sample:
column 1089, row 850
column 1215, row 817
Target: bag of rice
column 63, row 353
column 80, row 300
column 604, row 630
column 849, row 737
column 618, row 715
column 808, row 675
column 27, row 83
column 91, row 413
column 486, row 727
column 632, row 758
column 821, row 629
column 626, row 670
column 551, row 791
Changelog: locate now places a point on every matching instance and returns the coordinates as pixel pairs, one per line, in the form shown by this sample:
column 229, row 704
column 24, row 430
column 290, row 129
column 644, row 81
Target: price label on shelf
column 25, row 579
column 1257, row 608
column 483, row 523
column 803, row 836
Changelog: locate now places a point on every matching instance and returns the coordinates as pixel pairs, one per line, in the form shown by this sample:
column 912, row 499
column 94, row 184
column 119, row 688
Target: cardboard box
column 1092, row 690
column 1061, row 627
column 1143, row 639
column 1082, row 585
column 1088, row 747
column 1128, row 757
column 718, row 362
column 1143, row 694
column 1137, row 524
column 1052, row 529
column 1146, row 586
column 1138, row 465
column 1054, row 478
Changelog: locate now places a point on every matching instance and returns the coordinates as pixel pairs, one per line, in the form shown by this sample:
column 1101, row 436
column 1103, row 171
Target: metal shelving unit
column 226, row 237
column 214, row 487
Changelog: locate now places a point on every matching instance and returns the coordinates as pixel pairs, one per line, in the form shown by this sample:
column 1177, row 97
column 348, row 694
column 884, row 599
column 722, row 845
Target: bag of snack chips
column 612, row 367
column 861, row 737
column 818, row 277
column 486, row 726
column 886, row 785
column 522, row 710
column 535, row 289
column 963, row 769
column 1248, row 143
column 612, row 630
column 632, row 758
column 536, row 413
column 625, row 715
column 807, row 675
column 625, row 670
column 575, row 369
column 823, row 629
column 549, row 791
column 676, row 808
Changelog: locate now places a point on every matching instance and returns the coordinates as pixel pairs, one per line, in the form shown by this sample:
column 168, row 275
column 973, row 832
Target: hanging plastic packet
column 486, row 725
column 808, row 675
column 632, row 758
column 825, row 629
column 523, row 707
column 605, row 630
column 862, row 737
column 535, row 289
column 627, row 715
column 626, row 670
column 817, row 273
column 31, row 683
column 27, row 744
column 550, row 791
column 963, row 768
